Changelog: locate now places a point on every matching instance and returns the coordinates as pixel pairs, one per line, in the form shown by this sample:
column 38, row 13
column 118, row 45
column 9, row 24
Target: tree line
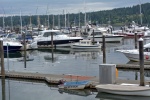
column 117, row 16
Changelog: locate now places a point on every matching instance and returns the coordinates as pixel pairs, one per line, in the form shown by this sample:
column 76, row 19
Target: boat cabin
column 86, row 42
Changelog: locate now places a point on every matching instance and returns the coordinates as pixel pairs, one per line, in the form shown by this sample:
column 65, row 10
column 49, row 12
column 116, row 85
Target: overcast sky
column 33, row 7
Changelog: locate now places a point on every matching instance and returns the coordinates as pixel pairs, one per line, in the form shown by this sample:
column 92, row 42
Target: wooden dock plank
column 131, row 66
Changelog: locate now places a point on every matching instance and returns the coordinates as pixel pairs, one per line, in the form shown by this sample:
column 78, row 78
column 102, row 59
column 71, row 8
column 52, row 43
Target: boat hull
column 12, row 48
column 61, row 43
column 124, row 90
column 85, row 46
column 72, row 87
column 133, row 55
column 108, row 39
column 11, row 45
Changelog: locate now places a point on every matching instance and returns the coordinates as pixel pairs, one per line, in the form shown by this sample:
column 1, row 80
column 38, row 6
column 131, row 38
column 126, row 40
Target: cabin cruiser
column 129, row 31
column 59, row 39
column 133, row 55
column 11, row 45
column 85, row 44
column 98, row 35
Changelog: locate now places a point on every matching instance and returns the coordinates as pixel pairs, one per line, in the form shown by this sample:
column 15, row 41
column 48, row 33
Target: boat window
column 47, row 34
column 11, row 36
column 146, row 49
column 57, row 33
column 97, row 33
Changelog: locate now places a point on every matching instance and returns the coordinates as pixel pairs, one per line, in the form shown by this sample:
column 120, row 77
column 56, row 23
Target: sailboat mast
column 68, row 20
column 65, row 18
column 3, row 19
column 30, row 21
column 141, row 13
column 20, row 22
column 11, row 24
column 53, row 21
column 3, row 22
column 79, row 19
column 47, row 12
column 85, row 13
column 59, row 21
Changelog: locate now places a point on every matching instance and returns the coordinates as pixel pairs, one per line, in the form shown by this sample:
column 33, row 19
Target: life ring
column 146, row 57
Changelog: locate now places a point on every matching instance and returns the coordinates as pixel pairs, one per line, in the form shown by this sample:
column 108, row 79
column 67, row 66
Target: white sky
column 33, row 7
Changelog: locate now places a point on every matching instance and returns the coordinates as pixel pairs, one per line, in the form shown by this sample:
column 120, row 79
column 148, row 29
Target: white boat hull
column 12, row 45
column 133, row 55
column 124, row 90
column 109, row 39
column 85, row 47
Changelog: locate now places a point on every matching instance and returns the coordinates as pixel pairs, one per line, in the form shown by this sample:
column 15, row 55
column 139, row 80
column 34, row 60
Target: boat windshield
column 97, row 33
column 11, row 36
column 146, row 49
column 47, row 34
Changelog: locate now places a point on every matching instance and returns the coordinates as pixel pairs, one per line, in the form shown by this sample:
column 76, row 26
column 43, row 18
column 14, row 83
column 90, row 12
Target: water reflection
column 12, row 55
column 3, row 89
column 84, row 92
column 36, row 90
column 106, row 96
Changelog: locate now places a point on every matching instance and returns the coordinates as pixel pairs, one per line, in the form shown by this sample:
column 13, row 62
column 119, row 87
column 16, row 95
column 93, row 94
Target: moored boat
column 74, row 85
column 133, row 54
column 47, row 37
column 124, row 89
column 109, row 38
column 11, row 45
column 85, row 44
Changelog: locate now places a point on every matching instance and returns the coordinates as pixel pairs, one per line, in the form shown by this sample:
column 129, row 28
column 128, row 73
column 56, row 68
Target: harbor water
column 62, row 61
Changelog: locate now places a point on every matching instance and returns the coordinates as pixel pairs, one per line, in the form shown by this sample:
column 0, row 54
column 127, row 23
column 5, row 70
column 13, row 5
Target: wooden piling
column 93, row 37
column 141, row 58
column 52, row 43
column 25, row 55
column 75, row 33
column 135, row 39
column 2, row 59
column 52, row 55
column 104, row 50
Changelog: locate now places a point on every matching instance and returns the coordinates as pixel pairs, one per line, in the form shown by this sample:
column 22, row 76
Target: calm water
column 66, row 61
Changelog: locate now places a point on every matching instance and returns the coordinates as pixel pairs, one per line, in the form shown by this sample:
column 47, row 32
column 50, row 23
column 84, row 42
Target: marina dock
column 131, row 66
column 53, row 79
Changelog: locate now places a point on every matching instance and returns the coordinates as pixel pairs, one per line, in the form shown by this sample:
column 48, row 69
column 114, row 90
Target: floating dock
column 58, row 79
column 53, row 79
column 131, row 66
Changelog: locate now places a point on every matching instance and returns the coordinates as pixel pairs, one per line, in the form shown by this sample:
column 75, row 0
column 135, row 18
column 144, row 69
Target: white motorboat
column 110, row 38
column 11, row 45
column 108, row 96
column 74, row 84
column 59, row 39
column 129, row 31
column 133, row 54
column 133, row 90
column 85, row 44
